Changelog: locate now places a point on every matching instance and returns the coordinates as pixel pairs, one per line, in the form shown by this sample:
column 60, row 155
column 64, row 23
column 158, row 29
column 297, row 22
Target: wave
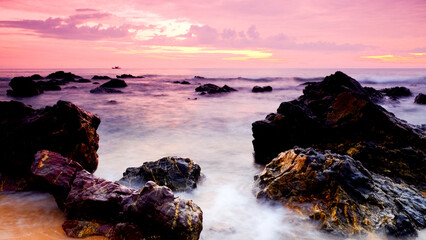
column 393, row 80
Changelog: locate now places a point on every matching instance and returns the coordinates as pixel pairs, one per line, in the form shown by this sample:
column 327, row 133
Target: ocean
column 155, row 117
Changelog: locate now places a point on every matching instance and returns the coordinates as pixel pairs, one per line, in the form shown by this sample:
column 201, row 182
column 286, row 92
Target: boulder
column 343, row 196
column 101, row 90
column 338, row 115
column 62, row 75
column 96, row 77
column 420, row 99
column 396, row 92
column 182, row 82
column 48, row 85
column 23, row 87
column 114, row 83
column 128, row 76
column 95, row 206
column 199, row 77
column 82, row 80
column 36, row 77
column 179, row 174
column 64, row 128
column 262, row 89
column 212, row 89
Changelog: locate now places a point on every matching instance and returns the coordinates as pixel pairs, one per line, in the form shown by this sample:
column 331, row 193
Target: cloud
column 86, row 10
column 79, row 26
column 407, row 58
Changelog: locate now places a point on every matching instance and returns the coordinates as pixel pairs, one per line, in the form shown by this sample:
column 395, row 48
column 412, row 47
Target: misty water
column 155, row 117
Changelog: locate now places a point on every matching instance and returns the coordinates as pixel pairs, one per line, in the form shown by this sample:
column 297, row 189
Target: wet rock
column 95, row 83
column 182, row 82
column 95, row 206
column 101, row 90
column 262, row 89
column 96, row 77
column 114, row 83
column 128, row 76
column 375, row 95
column 212, row 89
column 343, row 196
column 112, row 102
column 36, row 77
column 64, row 128
column 396, row 92
column 48, row 85
column 23, row 87
column 82, row 80
column 420, row 98
column 338, row 115
column 199, row 77
column 63, row 75
column 179, row 174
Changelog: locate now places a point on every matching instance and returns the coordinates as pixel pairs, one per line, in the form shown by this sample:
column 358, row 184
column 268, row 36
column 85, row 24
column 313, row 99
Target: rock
column 262, row 89
column 420, row 99
column 100, row 90
column 179, row 174
column 375, row 95
column 182, row 82
column 95, row 206
column 64, row 128
column 114, row 83
column 63, row 75
column 36, row 77
column 112, row 102
column 96, row 77
column 396, row 92
column 128, row 76
column 82, row 80
column 338, row 115
column 212, row 89
column 199, row 77
column 23, row 87
column 343, row 196
column 95, row 83
column 48, row 85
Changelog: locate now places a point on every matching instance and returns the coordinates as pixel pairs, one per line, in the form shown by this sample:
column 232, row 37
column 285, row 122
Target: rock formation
column 179, row 174
column 64, row 128
column 420, row 98
column 212, row 89
column 343, row 196
column 114, row 83
column 338, row 115
column 95, row 206
column 24, row 87
column 262, row 89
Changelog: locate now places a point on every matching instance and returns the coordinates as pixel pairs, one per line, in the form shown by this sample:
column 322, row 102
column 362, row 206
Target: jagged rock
column 338, row 115
column 179, row 174
column 95, row 206
column 262, row 89
column 114, row 83
column 128, row 76
column 212, row 89
column 63, row 75
column 396, row 92
column 420, row 99
column 96, row 77
column 343, row 196
column 64, row 128
column 23, row 87
column 100, row 90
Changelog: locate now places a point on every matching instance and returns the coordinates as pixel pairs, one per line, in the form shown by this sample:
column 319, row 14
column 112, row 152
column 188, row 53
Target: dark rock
column 128, row 76
column 375, row 95
column 62, row 75
column 95, row 83
column 112, row 102
column 36, row 77
column 96, row 77
column 262, row 89
column 82, row 80
column 100, row 90
column 396, row 92
column 48, row 85
column 23, row 87
column 420, row 99
column 182, row 82
column 95, row 206
column 343, row 196
column 212, row 89
column 63, row 128
column 338, row 115
column 199, row 77
column 179, row 174
column 114, row 83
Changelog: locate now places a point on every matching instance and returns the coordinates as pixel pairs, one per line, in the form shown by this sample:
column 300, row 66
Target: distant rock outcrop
column 212, row 89
column 96, row 77
column 338, row 115
column 95, row 206
column 114, row 83
column 343, row 196
column 179, row 174
column 62, row 75
column 64, row 128
column 262, row 89
column 128, row 76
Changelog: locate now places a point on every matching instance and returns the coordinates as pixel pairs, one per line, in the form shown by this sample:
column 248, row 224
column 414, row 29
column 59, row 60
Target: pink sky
column 221, row 33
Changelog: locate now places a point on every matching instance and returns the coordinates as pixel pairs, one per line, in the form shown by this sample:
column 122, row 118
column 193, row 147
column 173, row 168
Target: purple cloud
column 86, row 10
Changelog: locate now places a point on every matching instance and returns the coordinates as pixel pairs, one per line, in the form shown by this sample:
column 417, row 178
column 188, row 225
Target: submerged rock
column 64, row 128
column 182, row 82
column 179, row 174
column 262, row 89
column 341, row 194
column 100, row 90
column 338, row 115
column 24, row 87
column 420, row 99
column 212, row 89
column 95, row 206
column 114, row 83
column 128, row 76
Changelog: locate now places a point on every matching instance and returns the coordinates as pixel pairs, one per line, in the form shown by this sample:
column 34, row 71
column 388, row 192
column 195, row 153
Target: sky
column 213, row 34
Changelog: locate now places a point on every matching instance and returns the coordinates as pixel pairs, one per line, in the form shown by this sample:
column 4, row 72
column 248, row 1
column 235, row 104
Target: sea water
column 155, row 117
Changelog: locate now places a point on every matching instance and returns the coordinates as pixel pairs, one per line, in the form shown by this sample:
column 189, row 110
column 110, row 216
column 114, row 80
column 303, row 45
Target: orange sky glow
column 222, row 33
